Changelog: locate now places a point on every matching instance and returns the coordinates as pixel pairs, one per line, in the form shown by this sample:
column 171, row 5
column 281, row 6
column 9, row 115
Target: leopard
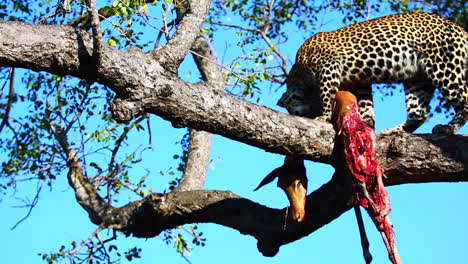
column 421, row 50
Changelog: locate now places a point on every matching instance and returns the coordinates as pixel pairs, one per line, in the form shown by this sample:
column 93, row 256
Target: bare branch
column 11, row 98
column 84, row 243
column 97, row 33
column 188, row 30
column 409, row 158
column 284, row 60
column 120, row 140
column 86, row 194
column 200, row 141
column 159, row 212
column 31, row 205
column 234, row 26
column 198, row 154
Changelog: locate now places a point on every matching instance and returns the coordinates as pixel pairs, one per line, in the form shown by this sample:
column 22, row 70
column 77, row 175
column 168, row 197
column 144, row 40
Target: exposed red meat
column 363, row 164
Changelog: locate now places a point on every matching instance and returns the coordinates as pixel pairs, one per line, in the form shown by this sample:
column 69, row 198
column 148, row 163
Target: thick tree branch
column 142, row 86
column 198, row 160
column 410, row 158
column 158, row 212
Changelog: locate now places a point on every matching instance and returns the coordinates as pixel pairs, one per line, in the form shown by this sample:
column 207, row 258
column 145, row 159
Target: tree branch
column 11, row 98
column 86, row 194
column 97, row 33
column 159, row 212
column 409, row 158
column 189, row 28
column 198, row 160
column 200, row 141
column 142, row 86
column 198, row 156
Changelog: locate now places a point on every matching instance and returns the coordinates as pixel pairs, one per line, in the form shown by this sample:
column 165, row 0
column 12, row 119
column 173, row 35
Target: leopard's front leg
column 328, row 89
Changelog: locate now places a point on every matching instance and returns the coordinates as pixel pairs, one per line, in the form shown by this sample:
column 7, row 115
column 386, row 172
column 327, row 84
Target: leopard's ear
column 281, row 102
column 270, row 177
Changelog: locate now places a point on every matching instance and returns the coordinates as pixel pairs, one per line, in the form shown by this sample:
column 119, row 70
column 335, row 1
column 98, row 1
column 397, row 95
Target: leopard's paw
column 443, row 130
column 322, row 118
column 392, row 131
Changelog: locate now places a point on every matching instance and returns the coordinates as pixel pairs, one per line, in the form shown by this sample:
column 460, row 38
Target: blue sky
column 429, row 219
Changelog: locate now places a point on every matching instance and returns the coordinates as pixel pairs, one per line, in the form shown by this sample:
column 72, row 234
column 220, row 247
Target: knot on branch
column 397, row 145
column 144, row 217
column 124, row 111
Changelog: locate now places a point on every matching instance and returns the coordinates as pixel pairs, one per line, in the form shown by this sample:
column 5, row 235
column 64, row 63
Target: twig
column 79, row 109
column 277, row 52
column 11, row 97
column 193, row 234
column 369, row 6
column 322, row 20
column 219, row 64
column 264, row 37
column 150, row 136
column 32, row 205
column 94, row 234
column 122, row 137
column 164, row 31
column 63, row 6
column 233, row 26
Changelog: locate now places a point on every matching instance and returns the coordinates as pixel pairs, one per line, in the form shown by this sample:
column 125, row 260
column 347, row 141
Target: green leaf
column 206, row 30
column 113, row 42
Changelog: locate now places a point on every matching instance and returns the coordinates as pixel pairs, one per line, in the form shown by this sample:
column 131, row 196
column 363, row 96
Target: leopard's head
column 302, row 95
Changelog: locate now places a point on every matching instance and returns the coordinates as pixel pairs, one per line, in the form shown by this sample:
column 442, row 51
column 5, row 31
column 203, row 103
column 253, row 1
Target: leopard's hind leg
column 418, row 94
column 449, row 74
